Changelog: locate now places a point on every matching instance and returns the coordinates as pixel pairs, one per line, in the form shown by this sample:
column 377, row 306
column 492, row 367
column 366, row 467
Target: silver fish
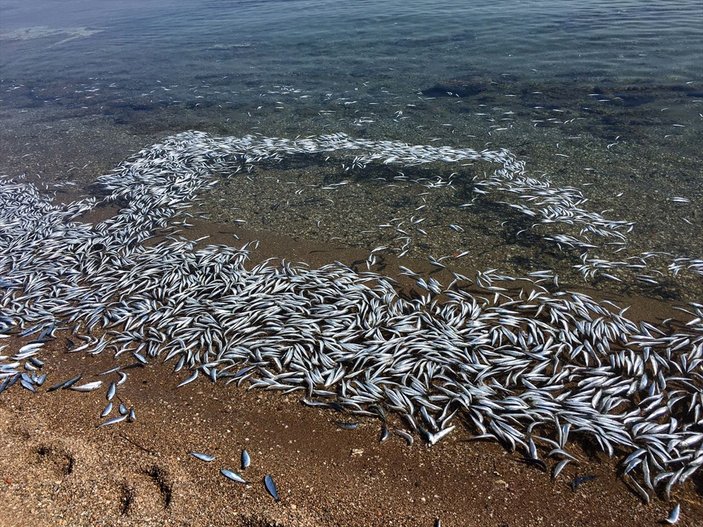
column 233, row 476
column 674, row 515
column 111, row 391
column 190, row 379
column 87, row 387
column 202, row 457
column 107, row 410
column 113, row 421
column 271, row 487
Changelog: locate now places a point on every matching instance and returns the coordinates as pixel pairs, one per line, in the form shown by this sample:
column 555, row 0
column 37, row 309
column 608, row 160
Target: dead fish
column 36, row 362
column 55, row 387
column 233, row 476
column 64, row 384
column 433, row 439
column 246, row 459
column 132, row 416
column 8, row 383
column 408, row 438
column 88, row 387
column 139, row 357
column 30, row 347
column 111, row 391
column 271, row 487
column 27, row 384
column 347, row 426
column 113, row 421
column 559, row 467
column 107, row 410
column 385, row 434
column 123, row 377
column 123, row 409
column 203, row 457
column 674, row 515
column 190, row 379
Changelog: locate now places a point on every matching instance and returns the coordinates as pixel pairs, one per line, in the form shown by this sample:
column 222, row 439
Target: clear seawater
column 615, row 88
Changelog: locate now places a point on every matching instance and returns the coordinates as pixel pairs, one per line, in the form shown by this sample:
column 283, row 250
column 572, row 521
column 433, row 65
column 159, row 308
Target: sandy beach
column 57, row 468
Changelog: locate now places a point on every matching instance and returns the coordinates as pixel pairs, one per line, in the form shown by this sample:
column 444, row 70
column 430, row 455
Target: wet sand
column 57, row 468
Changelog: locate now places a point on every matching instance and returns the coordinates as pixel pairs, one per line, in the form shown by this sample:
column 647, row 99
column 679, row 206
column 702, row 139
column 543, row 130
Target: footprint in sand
column 55, row 459
column 148, row 490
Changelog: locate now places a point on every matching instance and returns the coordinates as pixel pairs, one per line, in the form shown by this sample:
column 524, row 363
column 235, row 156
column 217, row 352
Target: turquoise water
column 603, row 96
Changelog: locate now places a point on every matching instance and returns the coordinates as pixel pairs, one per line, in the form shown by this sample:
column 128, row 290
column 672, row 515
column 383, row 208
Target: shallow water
column 606, row 97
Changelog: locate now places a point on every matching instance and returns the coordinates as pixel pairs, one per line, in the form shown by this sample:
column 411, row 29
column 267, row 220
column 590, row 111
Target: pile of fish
column 534, row 370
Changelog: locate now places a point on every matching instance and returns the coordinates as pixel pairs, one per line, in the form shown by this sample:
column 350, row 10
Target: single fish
column 139, row 357
column 123, row 377
column 271, row 487
column 111, row 391
column 347, row 426
column 27, row 384
column 246, row 459
column 113, row 421
column 233, row 476
column 132, row 416
column 408, row 438
column 87, row 387
column 190, row 379
column 559, row 467
column 107, row 410
column 674, row 515
column 203, row 457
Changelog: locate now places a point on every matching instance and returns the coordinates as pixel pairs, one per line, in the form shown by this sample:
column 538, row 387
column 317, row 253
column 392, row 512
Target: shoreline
column 64, row 469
